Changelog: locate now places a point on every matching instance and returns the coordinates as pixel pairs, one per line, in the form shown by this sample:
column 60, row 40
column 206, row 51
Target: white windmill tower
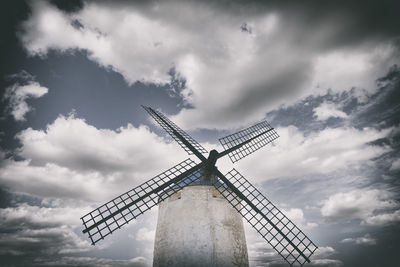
column 201, row 209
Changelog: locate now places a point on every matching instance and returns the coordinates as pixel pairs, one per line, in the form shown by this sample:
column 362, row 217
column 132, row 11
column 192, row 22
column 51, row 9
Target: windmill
column 281, row 233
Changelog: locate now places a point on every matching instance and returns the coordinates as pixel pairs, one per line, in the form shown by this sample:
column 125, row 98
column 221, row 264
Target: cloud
column 17, row 94
column 90, row 261
column 49, row 235
column 53, row 181
column 232, row 77
column 72, row 143
column 259, row 251
column 37, row 216
column 71, row 159
column 395, row 165
column 45, row 231
column 144, row 234
column 341, row 70
column 261, row 255
column 357, row 204
column 323, row 252
column 71, row 167
column 327, row 110
column 364, row 240
column 326, row 263
column 325, row 151
column 320, row 257
column 297, row 216
column 382, row 219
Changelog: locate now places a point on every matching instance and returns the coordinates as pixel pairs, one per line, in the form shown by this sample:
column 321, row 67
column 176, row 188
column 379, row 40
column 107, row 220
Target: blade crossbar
column 111, row 216
column 234, row 189
column 141, row 198
column 223, row 153
column 257, row 215
column 190, row 145
column 245, row 142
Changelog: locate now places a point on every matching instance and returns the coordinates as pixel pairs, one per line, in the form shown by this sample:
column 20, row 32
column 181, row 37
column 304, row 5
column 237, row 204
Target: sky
column 73, row 74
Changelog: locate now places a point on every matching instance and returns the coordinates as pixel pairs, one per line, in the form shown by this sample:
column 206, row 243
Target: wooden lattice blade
column 245, row 142
column 190, row 145
column 280, row 232
column 111, row 216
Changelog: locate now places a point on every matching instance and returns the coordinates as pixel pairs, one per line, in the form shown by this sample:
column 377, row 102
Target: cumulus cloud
column 325, row 151
column 232, row 66
column 323, row 252
column 341, row 70
column 144, row 234
column 40, row 216
column 50, row 168
column 17, row 94
column 72, row 166
column 382, row 219
column 357, row 204
column 327, row 110
column 232, row 76
column 297, row 216
column 72, row 159
column 72, row 143
column 364, row 240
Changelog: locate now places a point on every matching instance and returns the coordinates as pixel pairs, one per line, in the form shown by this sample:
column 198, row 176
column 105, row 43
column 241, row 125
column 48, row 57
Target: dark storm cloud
column 281, row 85
column 311, row 28
column 29, row 233
column 101, row 97
column 88, row 262
column 280, row 58
column 355, row 21
column 358, row 22
column 383, row 107
column 68, row 5
column 373, row 185
column 379, row 109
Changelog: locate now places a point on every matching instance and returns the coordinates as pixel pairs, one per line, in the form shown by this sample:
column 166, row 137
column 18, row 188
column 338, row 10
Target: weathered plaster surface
column 198, row 227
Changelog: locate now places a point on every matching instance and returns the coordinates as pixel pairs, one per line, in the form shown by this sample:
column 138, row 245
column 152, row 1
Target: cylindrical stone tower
column 198, row 227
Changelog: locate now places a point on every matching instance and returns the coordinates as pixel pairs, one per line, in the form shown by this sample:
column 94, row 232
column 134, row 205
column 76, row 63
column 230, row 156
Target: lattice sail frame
column 164, row 121
column 286, row 238
column 132, row 210
column 263, row 130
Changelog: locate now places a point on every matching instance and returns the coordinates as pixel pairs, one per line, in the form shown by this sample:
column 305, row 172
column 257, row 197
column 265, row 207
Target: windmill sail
column 190, row 145
column 245, row 142
column 109, row 217
column 285, row 237
column 280, row 232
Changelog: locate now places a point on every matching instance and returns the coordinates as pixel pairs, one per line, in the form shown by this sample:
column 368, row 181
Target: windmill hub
column 210, row 165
